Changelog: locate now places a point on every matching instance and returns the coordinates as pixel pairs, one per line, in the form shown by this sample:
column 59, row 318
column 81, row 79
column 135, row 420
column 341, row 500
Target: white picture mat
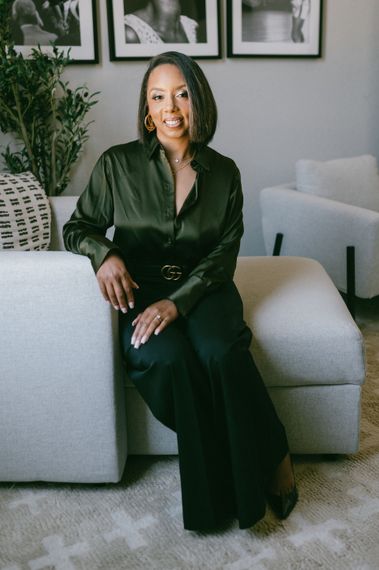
column 86, row 51
column 208, row 48
column 310, row 47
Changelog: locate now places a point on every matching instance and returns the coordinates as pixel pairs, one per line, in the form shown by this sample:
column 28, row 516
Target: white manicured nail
column 124, row 310
column 131, row 305
column 143, row 339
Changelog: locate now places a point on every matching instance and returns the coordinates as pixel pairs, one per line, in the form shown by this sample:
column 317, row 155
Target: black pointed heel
column 283, row 505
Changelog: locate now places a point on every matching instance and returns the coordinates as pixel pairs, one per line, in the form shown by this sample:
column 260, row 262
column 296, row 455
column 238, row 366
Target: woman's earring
column 149, row 124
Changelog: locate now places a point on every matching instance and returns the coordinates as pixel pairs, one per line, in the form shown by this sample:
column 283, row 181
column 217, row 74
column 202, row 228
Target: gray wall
column 272, row 111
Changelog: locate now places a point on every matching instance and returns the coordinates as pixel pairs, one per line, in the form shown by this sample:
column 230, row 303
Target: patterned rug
column 137, row 524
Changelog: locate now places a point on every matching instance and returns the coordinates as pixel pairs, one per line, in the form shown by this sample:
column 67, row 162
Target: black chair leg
column 278, row 244
column 350, row 279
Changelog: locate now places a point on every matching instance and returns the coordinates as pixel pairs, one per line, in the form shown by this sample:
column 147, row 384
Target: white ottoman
column 308, row 349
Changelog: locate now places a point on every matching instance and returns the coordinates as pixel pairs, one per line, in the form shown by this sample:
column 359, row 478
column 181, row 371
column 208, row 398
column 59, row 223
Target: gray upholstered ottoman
column 308, row 349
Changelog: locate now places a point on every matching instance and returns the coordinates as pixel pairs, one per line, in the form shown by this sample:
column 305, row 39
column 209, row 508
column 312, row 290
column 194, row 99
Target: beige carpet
column 137, row 524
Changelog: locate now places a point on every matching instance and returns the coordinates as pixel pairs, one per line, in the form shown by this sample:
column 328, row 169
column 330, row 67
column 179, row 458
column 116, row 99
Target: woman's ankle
column 283, row 480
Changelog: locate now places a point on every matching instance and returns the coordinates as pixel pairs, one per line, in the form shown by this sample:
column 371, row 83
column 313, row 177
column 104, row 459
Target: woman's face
column 168, row 103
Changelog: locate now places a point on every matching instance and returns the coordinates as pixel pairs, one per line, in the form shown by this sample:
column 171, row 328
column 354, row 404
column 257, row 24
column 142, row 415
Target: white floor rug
column 137, row 524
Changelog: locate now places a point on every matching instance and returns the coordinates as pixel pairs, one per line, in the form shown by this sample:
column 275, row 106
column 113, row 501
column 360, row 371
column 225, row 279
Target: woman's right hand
column 115, row 283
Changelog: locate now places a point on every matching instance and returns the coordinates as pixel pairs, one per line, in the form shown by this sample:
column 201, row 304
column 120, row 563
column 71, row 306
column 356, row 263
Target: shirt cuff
column 186, row 297
column 98, row 249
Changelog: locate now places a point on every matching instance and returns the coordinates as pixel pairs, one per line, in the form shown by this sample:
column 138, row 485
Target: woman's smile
column 172, row 123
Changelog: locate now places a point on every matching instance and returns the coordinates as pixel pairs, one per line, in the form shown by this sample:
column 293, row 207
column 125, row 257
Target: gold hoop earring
column 149, row 124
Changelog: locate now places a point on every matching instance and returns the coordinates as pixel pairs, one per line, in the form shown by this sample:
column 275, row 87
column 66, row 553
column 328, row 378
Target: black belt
column 166, row 272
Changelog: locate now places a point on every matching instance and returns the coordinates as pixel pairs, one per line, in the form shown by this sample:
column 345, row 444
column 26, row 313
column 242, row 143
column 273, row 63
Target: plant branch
column 24, row 132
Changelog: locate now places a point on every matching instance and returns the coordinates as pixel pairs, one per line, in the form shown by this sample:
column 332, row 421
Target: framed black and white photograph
column 68, row 24
column 274, row 28
column 140, row 29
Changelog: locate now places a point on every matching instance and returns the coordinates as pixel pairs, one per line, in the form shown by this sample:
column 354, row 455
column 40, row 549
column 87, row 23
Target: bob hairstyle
column 203, row 115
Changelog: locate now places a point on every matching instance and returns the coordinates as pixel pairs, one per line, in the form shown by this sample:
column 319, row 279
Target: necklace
column 181, row 164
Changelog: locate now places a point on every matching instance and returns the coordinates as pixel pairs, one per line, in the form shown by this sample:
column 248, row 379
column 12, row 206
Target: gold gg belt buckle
column 171, row 272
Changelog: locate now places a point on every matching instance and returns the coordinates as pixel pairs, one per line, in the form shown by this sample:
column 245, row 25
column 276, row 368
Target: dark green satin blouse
column 132, row 188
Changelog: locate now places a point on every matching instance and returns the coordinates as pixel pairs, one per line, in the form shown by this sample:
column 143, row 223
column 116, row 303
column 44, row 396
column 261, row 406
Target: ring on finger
column 158, row 317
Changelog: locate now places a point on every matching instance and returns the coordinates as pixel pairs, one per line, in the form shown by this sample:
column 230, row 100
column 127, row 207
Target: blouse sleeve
column 85, row 232
column 219, row 265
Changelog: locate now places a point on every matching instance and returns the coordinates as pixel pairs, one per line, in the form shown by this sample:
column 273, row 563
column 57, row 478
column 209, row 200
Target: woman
column 300, row 13
column 160, row 21
column 26, row 16
column 177, row 208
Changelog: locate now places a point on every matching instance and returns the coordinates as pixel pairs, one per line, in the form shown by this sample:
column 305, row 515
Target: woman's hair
column 24, row 9
column 203, row 114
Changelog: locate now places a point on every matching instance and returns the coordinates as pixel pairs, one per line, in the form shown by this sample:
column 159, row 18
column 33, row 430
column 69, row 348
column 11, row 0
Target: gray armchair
column 343, row 237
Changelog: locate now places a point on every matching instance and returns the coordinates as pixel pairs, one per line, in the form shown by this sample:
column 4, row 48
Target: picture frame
column 72, row 27
column 274, row 28
column 197, row 33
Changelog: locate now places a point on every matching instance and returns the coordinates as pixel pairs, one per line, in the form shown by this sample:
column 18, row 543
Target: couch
column 67, row 410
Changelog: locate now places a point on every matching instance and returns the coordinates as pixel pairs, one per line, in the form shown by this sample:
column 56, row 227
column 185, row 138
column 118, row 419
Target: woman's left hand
column 154, row 319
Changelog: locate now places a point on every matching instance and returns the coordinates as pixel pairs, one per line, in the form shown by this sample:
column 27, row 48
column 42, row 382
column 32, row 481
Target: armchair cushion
column 353, row 180
column 25, row 216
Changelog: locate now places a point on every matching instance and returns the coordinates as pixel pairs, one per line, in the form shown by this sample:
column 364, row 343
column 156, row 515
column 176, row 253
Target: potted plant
column 44, row 116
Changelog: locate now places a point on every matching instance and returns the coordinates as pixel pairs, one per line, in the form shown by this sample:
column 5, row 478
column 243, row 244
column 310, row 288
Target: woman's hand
column 115, row 283
column 154, row 319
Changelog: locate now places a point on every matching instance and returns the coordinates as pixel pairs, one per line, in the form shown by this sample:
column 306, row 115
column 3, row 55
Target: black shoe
column 283, row 505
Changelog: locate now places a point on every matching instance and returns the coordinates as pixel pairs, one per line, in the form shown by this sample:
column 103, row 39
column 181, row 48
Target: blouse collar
column 201, row 161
